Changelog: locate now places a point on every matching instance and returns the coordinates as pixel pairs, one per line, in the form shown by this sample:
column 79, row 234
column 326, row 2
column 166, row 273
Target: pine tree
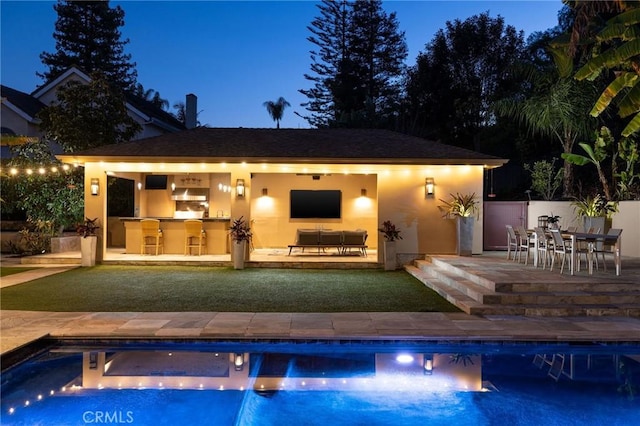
column 357, row 66
column 87, row 35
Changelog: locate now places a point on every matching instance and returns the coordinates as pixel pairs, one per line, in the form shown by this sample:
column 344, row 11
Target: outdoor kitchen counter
column 217, row 229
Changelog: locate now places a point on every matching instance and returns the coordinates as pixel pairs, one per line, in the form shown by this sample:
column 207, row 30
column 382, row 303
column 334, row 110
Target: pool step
column 462, row 283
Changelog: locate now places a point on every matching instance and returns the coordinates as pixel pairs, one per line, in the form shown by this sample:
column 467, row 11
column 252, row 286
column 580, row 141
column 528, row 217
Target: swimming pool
column 319, row 383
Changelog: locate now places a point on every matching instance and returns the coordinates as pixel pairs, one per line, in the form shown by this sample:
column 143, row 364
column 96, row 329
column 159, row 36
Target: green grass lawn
column 9, row 270
column 170, row 288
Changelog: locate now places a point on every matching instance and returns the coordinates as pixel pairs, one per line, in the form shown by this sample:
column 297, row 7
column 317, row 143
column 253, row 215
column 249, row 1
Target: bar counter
column 217, row 229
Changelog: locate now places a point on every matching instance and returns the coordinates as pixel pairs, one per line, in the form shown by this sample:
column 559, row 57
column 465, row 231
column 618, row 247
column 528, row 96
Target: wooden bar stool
column 194, row 236
column 151, row 235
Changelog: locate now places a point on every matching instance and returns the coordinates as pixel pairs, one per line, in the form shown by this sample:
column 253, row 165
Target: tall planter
column 602, row 223
column 88, row 247
column 390, row 262
column 239, row 249
column 464, row 246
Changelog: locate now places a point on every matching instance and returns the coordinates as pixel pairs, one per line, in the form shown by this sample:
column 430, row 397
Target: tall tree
column 462, row 71
column 276, row 109
column 87, row 35
column 151, row 96
column 88, row 115
column 357, row 66
column 330, row 62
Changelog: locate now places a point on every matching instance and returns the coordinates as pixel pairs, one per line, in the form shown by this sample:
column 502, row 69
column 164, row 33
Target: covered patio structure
column 353, row 179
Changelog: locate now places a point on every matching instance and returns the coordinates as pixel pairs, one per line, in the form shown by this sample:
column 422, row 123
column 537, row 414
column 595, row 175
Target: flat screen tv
column 315, row 204
column 155, row 182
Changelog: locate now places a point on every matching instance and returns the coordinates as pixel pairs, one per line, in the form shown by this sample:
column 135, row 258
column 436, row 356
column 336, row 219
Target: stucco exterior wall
column 17, row 123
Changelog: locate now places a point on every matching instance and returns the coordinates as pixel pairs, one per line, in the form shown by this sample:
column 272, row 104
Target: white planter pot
column 465, row 236
column 239, row 248
column 88, row 248
column 390, row 262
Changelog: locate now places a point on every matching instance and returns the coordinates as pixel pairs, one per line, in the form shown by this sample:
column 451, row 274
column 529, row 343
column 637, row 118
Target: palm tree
column 276, row 109
column 557, row 108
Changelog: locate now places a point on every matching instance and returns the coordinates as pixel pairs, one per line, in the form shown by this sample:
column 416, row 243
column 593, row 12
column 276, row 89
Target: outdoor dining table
column 592, row 240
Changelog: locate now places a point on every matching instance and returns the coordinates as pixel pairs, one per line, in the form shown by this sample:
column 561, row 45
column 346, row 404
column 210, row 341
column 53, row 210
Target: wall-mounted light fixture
column 238, row 361
column 428, row 364
column 173, row 186
column 240, row 188
column 363, row 192
column 139, row 186
column 429, row 186
column 265, row 192
column 95, row 186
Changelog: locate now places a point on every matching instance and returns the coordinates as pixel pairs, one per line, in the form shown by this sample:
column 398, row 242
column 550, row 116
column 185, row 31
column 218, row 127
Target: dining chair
column 151, row 236
column 545, row 245
column 194, row 236
column 606, row 246
column 561, row 248
column 512, row 242
column 525, row 243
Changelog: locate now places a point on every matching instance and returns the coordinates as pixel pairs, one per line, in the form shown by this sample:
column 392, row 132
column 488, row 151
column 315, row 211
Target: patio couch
column 343, row 241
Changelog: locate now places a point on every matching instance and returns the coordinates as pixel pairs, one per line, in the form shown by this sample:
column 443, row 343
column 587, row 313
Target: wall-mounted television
column 315, row 204
column 155, row 182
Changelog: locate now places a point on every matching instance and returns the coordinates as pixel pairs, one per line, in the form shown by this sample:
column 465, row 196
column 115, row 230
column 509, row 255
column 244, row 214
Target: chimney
column 191, row 114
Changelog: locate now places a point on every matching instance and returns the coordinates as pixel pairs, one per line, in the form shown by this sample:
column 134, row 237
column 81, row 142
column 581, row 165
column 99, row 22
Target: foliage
column 545, row 179
column 464, row 68
column 553, row 218
column 55, row 196
column 595, row 206
column 463, row 205
column 240, row 230
column 35, row 238
column 389, row 231
column 87, row 35
column 88, row 115
column 150, row 96
column 89, row 228
column 276, row 109
column 616, row 47
column 356, row 67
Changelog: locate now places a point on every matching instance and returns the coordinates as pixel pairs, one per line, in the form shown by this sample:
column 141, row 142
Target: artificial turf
column 199, row 289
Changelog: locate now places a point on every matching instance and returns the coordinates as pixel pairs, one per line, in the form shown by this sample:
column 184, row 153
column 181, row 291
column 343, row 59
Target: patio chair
column 606, row 246
column 194, row 237
column 151, row 235
column 561, row 248
column 545, row 245
column 525, row 244
column 512, row 242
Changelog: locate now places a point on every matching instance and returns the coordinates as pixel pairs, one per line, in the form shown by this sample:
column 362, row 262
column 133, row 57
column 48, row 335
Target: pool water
column 377, row 383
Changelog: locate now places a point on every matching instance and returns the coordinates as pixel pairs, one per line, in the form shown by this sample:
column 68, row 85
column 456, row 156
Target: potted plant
column 553, row 221
column 462, row 207
column 596, row 212
column 88, row 230
column 241, row 235
column 390, row 234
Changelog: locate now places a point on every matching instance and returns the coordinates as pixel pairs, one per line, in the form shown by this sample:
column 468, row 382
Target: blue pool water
column 337, row 383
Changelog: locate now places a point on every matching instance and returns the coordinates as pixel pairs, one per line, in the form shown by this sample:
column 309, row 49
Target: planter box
column 465, row 236
column 239, row 254
column 88, row 248
column 390, row 251
column 62, row 244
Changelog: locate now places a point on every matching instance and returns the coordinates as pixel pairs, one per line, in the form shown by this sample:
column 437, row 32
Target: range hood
column 190, row 194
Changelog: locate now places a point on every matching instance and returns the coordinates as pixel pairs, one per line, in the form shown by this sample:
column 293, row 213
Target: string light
column 41, row 170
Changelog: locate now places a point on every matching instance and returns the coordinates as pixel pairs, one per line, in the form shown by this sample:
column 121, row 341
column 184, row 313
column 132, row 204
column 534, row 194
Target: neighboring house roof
column 145, row 109
column 22, row 103
column 288, row 145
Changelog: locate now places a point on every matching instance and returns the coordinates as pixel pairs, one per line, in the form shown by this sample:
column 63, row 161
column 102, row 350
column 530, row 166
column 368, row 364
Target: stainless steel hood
column 190, row 194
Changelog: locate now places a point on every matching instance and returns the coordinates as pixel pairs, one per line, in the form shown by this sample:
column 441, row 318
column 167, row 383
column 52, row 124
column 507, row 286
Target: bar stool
column 194, row 236
column 151, row 235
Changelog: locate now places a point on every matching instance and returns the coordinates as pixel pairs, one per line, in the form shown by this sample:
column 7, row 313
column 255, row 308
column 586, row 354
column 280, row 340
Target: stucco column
column 95, row 206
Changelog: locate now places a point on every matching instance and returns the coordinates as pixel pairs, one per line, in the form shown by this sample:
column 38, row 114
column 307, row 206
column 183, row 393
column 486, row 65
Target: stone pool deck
column 21, row 327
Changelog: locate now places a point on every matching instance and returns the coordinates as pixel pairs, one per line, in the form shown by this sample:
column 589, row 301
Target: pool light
column 404, row 358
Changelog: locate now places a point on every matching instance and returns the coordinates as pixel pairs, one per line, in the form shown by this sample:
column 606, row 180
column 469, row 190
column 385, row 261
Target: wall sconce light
column 363, row 192
column 173, row 186
column 139, row 186
column 238, row 361
column 429, row 185
column 95, row 186
column 428, row 364
column 240, row 187
column 265, row 192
